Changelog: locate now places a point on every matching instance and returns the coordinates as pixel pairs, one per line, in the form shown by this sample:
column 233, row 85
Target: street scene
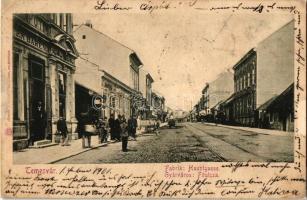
column 190, row 142
column 90, row 91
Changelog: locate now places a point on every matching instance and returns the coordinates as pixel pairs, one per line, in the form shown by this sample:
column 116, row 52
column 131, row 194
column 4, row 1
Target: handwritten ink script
column 150, row 6
column 72, row 181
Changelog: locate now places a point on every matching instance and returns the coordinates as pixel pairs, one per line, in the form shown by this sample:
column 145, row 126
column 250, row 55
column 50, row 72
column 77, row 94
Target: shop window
column 62, row 94
column 15, row 85
column 37, row 72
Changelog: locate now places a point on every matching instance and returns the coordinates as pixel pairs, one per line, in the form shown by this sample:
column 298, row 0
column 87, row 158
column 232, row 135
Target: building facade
column 244, row 103
column 118, row 68
column 158, row 104
column 145, row 84
column 43, row 77
column 262, row 73
column 215, row 92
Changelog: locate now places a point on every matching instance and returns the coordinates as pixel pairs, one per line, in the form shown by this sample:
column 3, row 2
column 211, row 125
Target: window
column 62, row 94
column 245, row 81
column 64, row 21
column 83, row 36
column 112, row 102
column 58, row 19
column 253, row 76
column 15, row 85
column 248, row 79
column 134, row 79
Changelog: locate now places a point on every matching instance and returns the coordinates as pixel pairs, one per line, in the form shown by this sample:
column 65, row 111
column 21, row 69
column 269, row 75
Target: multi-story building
column 244, row 103
column 216, row 91
column 119, row 67
column 262, row 73
column 146, row 82
column 43, row 77
column 158, row 104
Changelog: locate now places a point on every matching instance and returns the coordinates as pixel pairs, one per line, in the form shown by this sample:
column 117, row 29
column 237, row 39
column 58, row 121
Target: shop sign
column 33, row 41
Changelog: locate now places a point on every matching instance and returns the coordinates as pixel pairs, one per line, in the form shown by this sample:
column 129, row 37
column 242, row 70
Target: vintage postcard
column 153, row 99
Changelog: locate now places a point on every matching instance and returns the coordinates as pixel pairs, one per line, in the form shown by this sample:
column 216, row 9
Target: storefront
column 43, row 77
column 119, row 97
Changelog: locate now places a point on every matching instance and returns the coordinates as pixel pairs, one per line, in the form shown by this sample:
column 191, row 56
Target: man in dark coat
column 62, row 129
column 132, row 125
column 112, row 127
column 124, row 135
column 39, row 123
column 117, row 125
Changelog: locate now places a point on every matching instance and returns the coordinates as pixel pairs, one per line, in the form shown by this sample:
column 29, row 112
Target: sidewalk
column 256, row 130
column 53, row 153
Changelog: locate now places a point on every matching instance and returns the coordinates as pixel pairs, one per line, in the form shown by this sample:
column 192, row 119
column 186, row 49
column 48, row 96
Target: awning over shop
column 91, row 90
column 281, row 101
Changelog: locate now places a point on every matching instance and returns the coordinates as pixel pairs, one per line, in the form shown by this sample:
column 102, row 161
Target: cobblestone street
column 194, row 142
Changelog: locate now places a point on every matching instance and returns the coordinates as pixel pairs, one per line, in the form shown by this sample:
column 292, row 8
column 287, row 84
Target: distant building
column 146, row 82
column 263, row 73
column 215, row 92
column 158, row 104
column 43, row 77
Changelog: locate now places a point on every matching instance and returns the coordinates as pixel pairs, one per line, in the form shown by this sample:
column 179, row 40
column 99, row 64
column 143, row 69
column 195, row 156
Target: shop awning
column 93, row 90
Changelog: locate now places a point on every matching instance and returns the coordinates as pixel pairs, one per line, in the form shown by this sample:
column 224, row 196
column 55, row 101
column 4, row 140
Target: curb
column 80, row 152
column 252, row 131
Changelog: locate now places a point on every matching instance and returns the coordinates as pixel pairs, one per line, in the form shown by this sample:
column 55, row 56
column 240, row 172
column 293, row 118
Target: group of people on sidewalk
column 119, row 129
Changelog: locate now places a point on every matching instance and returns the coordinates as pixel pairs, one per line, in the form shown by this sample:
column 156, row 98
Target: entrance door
column 37, row 100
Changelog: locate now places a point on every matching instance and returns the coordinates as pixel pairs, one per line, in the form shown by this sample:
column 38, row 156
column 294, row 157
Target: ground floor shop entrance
column 37, row 101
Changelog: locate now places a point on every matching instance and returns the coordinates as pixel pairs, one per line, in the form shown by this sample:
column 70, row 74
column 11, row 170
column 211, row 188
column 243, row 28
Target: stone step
column 42, row 144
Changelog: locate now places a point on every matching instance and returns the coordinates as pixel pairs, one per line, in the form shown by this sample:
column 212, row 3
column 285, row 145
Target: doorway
column 37, row 121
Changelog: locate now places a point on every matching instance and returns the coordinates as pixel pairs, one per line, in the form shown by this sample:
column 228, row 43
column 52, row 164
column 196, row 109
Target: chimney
column 89, row 23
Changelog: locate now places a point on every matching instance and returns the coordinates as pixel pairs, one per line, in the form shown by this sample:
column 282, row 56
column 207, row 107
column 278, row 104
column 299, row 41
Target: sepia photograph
column 90, row 88
column 168, row 99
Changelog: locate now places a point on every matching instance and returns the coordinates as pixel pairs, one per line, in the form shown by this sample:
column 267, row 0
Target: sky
column 183, row 51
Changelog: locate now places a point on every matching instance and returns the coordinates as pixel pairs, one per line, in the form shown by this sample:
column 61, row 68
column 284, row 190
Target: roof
column 149, row 77
column 244, row 58
column 267, row 103
column 228, row 100
column 276, row 100
column 109, row 54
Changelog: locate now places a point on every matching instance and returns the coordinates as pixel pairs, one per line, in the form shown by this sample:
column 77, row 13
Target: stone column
column 54, row 98
column 71, row 100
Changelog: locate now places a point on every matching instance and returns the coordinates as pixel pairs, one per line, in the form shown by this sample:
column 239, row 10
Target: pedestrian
column 117, row 125
column 105, row 130
column 132, row 125
column 111, row 123
column 38, row 124
column 124, row 135
column 100, row 130
column 62, row 130
column 157, row 126
column 84, row 127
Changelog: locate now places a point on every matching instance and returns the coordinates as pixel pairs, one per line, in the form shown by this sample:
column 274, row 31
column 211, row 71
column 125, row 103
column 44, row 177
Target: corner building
column 43, row 77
